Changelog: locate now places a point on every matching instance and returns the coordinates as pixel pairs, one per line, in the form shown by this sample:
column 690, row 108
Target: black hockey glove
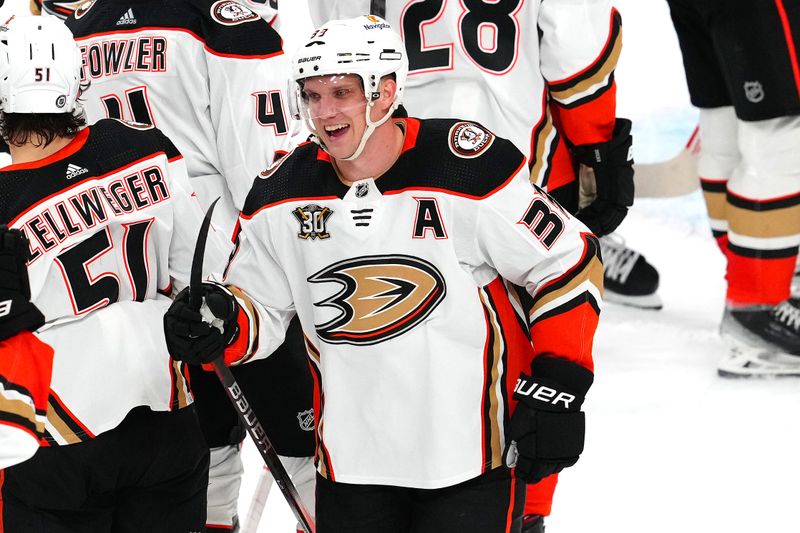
column 612, row 163
column 201, row 336
column 547, row 428
column 17, row 313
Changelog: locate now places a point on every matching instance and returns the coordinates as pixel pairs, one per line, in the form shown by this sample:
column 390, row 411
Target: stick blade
column 196, row 276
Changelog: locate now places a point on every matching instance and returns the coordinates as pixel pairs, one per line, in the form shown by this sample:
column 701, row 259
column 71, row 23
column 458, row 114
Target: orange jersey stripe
column 754, row 280
column 567, row 333
column 590, row 122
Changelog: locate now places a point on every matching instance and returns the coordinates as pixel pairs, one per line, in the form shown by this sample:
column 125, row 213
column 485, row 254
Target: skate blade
column 752, row 362
column 649, row 301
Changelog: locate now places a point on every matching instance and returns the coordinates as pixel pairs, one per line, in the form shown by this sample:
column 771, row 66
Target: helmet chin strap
column 369, row 130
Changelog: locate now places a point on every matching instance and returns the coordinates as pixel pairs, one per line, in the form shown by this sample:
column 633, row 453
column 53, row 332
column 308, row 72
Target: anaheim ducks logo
column 382, row 296
column 280, row 158
column 469, row 140
column 134, row 125
column 231, row 13
column 81, row 8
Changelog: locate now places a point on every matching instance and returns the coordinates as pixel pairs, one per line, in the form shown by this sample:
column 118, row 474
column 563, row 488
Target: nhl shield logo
column 306, row 420
column 362, row 189
column 313, row 220
column 754, row 91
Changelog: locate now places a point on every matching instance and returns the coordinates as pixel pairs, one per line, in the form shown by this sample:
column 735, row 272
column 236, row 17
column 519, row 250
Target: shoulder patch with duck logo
column 230, row 13
column 134, row 125
column 469, row 140
column 83, row 8
column 279, row 159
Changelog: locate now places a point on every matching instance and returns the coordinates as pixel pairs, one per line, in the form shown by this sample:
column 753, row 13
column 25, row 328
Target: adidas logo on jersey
column 74, row 171
column 127, row 18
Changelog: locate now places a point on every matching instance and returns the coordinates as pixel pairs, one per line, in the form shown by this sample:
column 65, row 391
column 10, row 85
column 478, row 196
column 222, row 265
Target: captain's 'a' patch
column 469, row 140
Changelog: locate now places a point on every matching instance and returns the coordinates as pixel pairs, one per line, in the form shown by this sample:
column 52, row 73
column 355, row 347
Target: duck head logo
column 381, row 297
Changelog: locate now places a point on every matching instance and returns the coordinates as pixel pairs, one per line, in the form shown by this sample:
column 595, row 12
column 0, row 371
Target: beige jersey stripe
column 593, row 272
column 21, row 409
column 493, row 424
column 716, row 204
column 584, row 85
column 61, row 426
column 783, row 222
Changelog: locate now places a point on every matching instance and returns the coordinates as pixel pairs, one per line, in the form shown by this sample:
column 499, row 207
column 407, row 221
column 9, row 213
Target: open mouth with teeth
column 335, row 131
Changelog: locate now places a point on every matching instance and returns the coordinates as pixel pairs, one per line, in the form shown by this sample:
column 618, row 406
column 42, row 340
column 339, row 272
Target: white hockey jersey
column 210, row 74
column 519, row 67
column 414, row 339
column 26, row 364
column 112, row 224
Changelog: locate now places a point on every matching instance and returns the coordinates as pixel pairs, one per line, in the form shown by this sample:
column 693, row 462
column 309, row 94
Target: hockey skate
column 764, row 341
column 533, row 523
column 629, row 279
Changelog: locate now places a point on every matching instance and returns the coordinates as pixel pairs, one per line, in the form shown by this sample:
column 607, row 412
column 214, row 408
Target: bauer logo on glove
column 529, row 387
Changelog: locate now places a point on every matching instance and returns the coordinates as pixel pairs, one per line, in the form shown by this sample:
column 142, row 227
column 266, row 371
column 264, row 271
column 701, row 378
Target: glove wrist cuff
column 29, row 318
column 613, row 151
column 575, row 377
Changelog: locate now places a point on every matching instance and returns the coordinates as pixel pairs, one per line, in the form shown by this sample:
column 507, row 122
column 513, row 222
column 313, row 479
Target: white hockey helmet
column 40, row 66
column 365, row 46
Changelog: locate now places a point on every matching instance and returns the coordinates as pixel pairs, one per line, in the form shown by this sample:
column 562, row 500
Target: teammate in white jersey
column 539, row 72
column 212, row 74
column 26, row 363
column 391, row 240
column 110, row 220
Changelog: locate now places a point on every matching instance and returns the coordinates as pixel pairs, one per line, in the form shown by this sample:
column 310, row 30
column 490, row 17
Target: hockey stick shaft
column 236, row 396
column 258, row 502
column 263, row 444
column 673, row 177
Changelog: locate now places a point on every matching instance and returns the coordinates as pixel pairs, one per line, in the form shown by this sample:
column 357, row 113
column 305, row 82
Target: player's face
column 336, row 106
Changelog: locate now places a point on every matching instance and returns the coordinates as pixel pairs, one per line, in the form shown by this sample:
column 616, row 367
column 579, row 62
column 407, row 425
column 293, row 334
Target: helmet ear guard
column 40, row 66
column 293, row 90
column 364, row 46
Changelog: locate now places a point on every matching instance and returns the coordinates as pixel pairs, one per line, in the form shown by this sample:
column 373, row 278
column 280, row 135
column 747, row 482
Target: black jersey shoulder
column 110, row 146
column 117, row 143
column 225, row 27
column 302, row 173
column 457, row 156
